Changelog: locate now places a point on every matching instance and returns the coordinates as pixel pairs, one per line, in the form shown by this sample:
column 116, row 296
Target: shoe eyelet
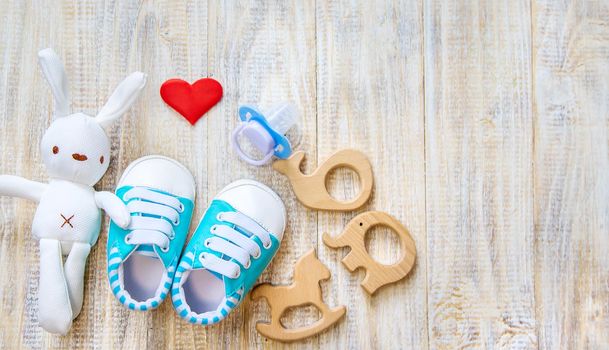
column 267, row 246
column 220, row 216
column 172, row 236
column 214, row 228
column 206, row 243
column 165, row 250
column 235, row 276
column 181, row 208
column 247, row 266
column 201, row 257
column 176, row 222
column 128, row 239
column 257, row 255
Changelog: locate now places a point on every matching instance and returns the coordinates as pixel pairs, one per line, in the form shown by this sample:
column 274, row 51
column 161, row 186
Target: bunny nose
column 79, row 157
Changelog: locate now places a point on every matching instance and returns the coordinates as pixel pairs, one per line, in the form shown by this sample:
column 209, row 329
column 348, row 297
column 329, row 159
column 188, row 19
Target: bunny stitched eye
column 101, row 160
column 55, row 149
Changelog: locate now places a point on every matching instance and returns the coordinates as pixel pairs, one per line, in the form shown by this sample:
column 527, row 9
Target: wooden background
column 487, row 124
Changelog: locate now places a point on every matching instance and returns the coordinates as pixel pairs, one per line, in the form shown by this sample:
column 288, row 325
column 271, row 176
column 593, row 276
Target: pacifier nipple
column 282, row 117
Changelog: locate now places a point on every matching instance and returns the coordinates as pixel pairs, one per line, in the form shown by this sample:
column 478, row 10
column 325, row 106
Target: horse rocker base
column 305, row 290
column 377, row 274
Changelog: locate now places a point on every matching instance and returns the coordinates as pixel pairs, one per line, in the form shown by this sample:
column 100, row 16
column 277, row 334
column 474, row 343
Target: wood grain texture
column 486, row 124
column 370, row 98
column 479, row 174
column 571, row 53
column 263, row 53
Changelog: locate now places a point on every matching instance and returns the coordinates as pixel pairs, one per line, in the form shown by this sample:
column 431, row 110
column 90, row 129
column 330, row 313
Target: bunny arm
column 15, row 186
column 114, row 207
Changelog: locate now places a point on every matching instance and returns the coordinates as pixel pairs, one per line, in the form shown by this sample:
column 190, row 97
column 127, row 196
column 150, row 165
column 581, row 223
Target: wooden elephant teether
column 305, row 290
column 311, row 189
column 377, row 274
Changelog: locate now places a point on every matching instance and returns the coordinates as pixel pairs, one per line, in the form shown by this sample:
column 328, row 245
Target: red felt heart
column 191, row 101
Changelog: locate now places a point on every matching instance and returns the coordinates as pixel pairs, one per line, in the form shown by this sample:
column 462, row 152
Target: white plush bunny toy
column 76, row 153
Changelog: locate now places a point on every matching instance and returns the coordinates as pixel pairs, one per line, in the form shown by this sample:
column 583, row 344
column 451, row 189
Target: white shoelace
column 234, row 244
column 163, row 214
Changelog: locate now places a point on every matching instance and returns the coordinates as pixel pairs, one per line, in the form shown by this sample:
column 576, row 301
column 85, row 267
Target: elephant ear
column 54, row 72
column 121, row 99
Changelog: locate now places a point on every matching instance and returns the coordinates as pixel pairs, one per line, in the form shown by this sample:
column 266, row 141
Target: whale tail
column 291, row 166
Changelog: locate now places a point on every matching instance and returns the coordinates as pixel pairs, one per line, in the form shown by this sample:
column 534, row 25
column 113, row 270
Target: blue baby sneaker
column 235, row 241
column 142, row 259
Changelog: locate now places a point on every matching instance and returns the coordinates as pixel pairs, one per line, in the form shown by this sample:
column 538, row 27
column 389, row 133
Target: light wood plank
column 571, row 51
column 479, row 174
column 24, row 115
column 370, row 83
column 263, row 53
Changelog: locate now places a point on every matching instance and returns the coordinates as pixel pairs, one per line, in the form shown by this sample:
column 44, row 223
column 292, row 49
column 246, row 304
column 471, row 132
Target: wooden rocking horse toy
column 305, row 290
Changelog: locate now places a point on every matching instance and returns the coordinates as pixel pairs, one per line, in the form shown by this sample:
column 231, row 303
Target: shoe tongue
column 146, row 250
column 213, row 273
column 217, row 275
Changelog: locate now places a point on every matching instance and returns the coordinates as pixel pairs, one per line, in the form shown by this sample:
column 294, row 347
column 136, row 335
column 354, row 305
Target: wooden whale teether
column 311, row 189
column 305, row 290
column 377, row 274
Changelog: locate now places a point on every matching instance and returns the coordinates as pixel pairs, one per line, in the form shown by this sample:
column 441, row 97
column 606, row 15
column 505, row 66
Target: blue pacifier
column 268, row 135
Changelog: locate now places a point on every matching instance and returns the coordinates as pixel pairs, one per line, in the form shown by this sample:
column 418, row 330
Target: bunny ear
column 122, row 98
column 53, row 70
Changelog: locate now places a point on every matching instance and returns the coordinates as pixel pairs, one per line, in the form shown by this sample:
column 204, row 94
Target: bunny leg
column 54, row 310
column 74, row 270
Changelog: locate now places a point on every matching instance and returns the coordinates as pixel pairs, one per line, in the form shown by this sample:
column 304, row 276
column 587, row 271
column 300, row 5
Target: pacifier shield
column 191, row 101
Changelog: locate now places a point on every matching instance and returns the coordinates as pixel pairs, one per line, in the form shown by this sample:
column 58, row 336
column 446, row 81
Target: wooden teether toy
column 305, row 290
column 377, row 274
column 311, row 189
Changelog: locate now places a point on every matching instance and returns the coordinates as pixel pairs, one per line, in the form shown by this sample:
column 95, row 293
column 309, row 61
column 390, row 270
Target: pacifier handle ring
column 245, row 157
